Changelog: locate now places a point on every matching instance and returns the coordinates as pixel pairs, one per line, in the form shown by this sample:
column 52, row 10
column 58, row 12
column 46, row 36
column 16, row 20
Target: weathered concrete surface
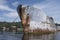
column 25, row 19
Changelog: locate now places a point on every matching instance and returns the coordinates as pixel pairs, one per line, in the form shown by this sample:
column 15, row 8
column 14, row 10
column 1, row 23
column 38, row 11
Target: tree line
column 9, row 24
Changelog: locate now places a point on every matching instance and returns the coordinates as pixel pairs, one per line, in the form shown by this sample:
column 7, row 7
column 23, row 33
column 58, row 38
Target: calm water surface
column 21, row 36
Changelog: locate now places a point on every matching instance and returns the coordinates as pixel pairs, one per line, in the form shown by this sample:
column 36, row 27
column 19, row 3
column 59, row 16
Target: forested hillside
column 9, row 24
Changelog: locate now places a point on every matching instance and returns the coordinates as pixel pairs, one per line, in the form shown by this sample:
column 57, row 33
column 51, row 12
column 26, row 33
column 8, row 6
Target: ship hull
column 25, row 19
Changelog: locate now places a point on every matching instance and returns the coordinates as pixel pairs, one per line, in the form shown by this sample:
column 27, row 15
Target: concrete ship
column 34, row 20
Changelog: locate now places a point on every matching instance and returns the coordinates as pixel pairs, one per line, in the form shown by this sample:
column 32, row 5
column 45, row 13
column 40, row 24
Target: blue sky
column 8, row 8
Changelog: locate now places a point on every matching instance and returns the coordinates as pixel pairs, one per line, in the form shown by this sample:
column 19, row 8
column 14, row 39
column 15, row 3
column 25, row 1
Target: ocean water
column 21, row 36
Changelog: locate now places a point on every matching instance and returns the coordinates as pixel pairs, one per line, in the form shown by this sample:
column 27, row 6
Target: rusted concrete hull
column 25, row 19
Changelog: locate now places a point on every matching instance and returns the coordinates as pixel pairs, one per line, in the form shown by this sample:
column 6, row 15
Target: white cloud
column 50, row 7
column 1, row 18
column 12, row 14
column 15, row 3
column 3, row 2
column 4, row 7
column 57, row 22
